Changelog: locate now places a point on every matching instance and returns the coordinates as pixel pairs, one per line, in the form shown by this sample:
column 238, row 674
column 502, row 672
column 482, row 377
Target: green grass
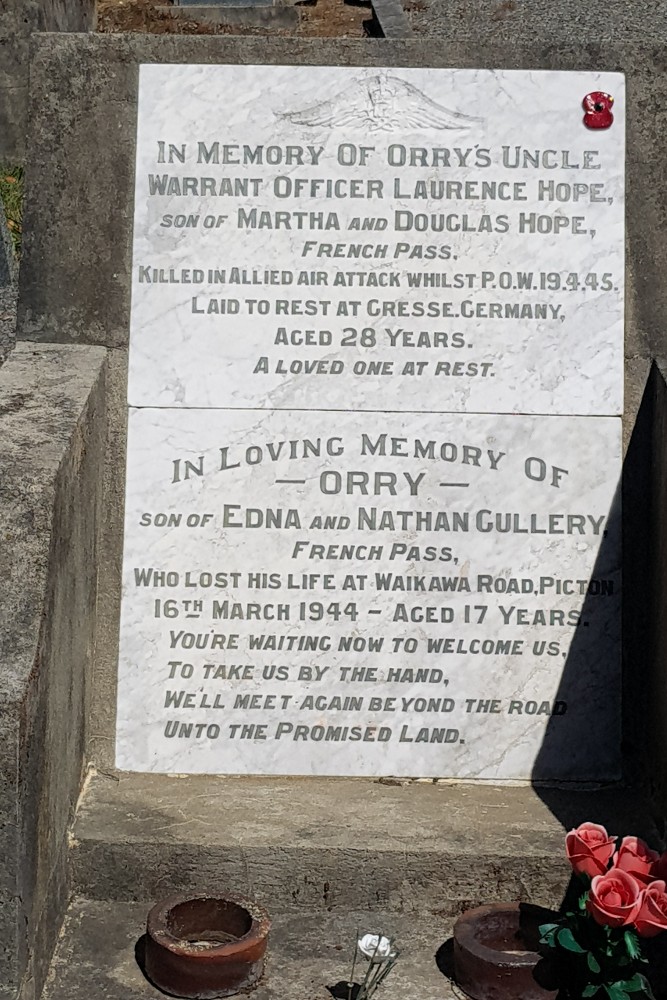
column 11, row 194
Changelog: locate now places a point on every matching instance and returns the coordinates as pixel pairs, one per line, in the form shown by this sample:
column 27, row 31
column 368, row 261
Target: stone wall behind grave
column 18, row 19
column 84, row 295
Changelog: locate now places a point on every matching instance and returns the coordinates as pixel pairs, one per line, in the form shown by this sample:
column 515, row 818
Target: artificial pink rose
column 636, row 858
column 614, row 899
column 659, row 868
column 589, row 849
column 652, row 916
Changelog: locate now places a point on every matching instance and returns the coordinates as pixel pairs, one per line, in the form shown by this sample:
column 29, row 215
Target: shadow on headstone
column 574, row 733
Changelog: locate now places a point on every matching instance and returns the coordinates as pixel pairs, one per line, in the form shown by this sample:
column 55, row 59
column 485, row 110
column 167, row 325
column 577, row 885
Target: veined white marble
column 342, row 594
column 398, row 239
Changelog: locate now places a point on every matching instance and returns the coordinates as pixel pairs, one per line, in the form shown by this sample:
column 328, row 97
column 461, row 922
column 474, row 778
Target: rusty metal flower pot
column 496, row 953
column 206, row 946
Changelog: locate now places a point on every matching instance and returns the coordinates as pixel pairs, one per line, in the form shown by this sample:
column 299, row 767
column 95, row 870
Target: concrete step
column 335, row 844
column 95, row 958
column 391, row 19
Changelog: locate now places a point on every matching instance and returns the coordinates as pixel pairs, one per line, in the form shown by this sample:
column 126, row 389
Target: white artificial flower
column 376, row 947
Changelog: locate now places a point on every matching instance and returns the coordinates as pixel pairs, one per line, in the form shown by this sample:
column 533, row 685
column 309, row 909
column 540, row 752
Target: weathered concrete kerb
column 52, row 409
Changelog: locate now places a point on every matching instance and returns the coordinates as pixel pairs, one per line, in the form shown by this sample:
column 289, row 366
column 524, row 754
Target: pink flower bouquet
column 597, row 947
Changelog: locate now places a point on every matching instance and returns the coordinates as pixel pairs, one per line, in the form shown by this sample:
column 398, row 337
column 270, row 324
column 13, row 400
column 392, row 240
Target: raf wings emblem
column 380, row 103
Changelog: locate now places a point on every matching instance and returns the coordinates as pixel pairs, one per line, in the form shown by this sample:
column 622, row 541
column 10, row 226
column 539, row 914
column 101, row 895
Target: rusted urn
column 205, row 946
column 496, row 953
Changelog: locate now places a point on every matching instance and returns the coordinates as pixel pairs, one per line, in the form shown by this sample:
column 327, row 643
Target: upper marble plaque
column 378, row 239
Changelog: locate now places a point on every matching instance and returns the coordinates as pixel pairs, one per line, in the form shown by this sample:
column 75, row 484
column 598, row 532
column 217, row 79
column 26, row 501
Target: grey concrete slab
column 51, row 449
column 307, row 952
column 334, row 843
column 391, row 19
column 102, row 706
column 18, row 19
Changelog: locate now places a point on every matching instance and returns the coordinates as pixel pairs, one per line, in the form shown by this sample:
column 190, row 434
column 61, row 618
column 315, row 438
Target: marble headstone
column 374, row 594
column 372, row 520
column 400, row 240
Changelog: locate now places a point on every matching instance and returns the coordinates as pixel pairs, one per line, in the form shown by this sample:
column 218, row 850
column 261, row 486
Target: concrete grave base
column 327, row 857
column 301, row 845
column 307, row 952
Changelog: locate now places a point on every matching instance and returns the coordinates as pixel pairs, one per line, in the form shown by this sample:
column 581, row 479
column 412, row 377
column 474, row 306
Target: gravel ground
column 322, row 19
column 436, row 17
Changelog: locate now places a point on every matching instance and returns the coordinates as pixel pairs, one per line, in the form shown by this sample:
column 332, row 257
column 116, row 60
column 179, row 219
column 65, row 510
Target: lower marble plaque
column 371, row 594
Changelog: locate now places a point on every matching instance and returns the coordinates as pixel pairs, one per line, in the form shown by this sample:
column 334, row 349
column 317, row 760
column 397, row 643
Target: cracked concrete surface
column 340, row 843
column 307, row 952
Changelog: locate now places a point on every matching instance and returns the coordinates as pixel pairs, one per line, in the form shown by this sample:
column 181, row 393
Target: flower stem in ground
column 350, row 982
column 377, row 972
